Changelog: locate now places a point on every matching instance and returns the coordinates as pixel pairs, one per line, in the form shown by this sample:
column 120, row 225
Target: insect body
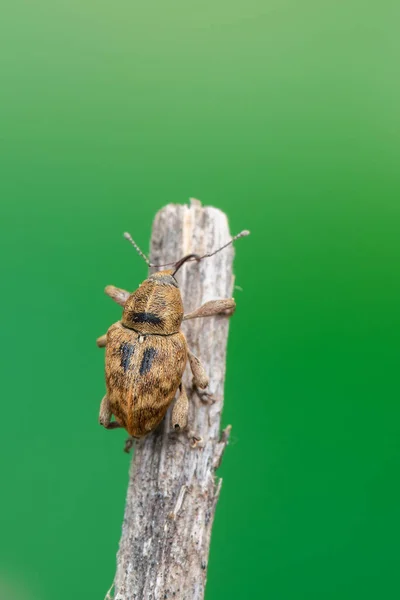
column 146, row 353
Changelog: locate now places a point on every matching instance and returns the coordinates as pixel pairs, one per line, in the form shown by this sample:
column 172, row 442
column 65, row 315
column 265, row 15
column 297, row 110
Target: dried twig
column 173, row 490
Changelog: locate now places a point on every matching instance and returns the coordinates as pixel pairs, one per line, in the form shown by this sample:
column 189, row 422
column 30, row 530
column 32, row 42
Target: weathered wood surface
column 173, row 489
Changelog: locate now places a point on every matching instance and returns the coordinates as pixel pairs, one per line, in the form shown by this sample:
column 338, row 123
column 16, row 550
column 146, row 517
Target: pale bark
column 173, row 489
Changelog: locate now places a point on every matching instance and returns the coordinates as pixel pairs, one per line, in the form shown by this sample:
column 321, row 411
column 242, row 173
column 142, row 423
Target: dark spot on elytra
column 126, row 349
column 146, row 317
column 147, row 360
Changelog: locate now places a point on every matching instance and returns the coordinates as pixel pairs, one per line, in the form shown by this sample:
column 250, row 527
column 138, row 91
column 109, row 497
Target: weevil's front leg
column 102, row 341
column 117, row 294
column 106, row 414
column 120, row 296
column 213, row 307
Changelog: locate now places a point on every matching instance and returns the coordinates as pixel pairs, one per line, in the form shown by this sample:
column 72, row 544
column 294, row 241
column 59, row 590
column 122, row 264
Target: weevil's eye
column 177, row 426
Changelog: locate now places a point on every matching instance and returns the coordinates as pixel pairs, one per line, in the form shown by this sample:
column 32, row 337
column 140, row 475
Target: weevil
column 146, row 351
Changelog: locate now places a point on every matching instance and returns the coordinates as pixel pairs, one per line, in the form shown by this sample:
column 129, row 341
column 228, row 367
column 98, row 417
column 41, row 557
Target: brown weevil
column 146, row 352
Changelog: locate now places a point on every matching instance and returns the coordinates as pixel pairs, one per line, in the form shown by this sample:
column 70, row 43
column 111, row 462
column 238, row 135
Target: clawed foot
column 109, row 424
column 129, row 444
column 205, row 397
column 195, row 440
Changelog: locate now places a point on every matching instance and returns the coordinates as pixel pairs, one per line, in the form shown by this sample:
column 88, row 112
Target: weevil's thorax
column 156, row 306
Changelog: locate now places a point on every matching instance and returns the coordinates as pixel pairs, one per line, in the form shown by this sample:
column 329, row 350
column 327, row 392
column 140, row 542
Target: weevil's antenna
column 236, row 237
column 128, row 237
column 188, row 257
column 196, row 257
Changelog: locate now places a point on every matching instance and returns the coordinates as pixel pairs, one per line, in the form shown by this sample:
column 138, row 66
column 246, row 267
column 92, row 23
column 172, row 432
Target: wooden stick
column 173, row 490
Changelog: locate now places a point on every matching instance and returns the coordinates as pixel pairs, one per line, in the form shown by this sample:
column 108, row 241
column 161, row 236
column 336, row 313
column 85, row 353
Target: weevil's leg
column 129, row 444
column 102, row 341
column 200, row 379
column 106, row 414
column 196, row 441
column 114, row 425
column 181, row 410
column 117, row 294
column 213, row 307
column 179, row 418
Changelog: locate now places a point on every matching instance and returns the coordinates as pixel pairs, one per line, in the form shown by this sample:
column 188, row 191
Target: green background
column 285, row 115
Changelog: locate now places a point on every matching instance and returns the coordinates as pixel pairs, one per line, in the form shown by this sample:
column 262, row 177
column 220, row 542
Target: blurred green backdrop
column 285, row 115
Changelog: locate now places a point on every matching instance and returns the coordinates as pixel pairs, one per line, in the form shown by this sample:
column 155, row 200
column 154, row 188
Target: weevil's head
column 156, row 306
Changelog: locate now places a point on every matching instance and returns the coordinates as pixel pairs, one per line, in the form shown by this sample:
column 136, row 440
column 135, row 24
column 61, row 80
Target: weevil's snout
column 185, row 259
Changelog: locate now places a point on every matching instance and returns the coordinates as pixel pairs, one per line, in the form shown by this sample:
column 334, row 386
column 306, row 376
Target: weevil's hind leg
column 102, row 341
column 117, row 294
column 106, row 414
column 213, row 307
column 180, row 411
